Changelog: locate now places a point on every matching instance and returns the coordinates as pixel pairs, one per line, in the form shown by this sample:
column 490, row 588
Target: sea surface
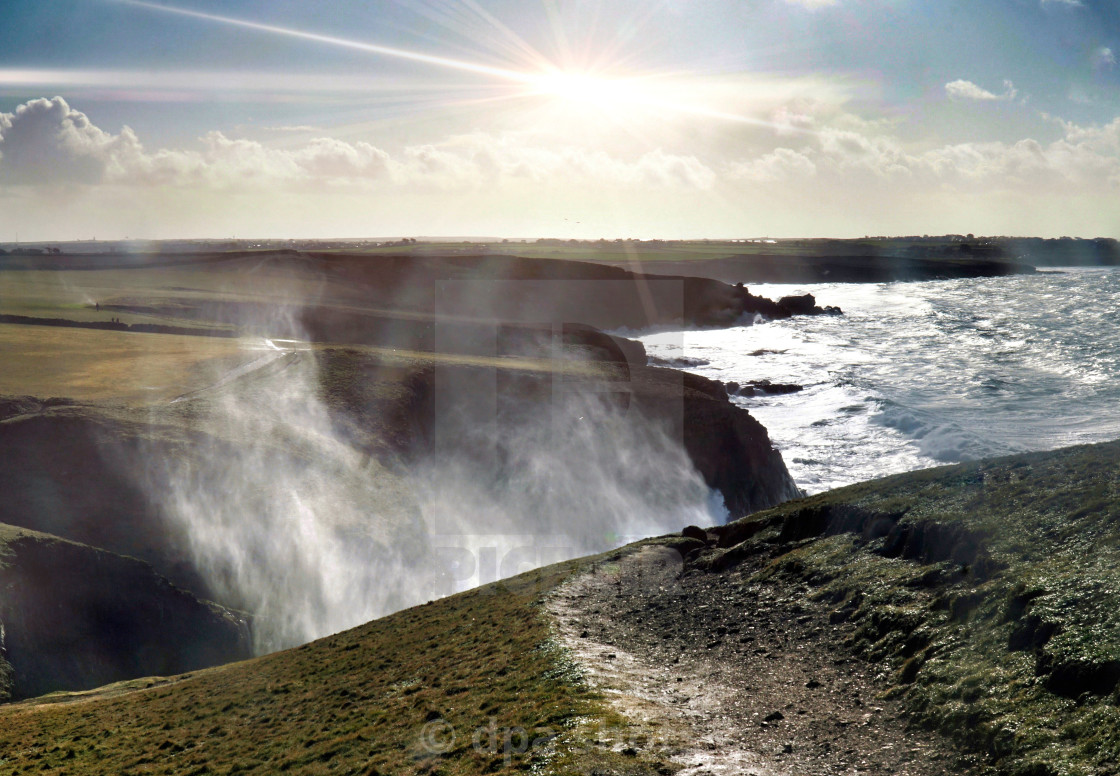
column 915, row 375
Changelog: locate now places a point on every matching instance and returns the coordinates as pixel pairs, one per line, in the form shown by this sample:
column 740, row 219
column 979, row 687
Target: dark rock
column 806, row 304
column 756, row 387
column 680, row 362
column 695, row 532
column 75, row 617
column 774, row 716
column 765, row 386
column 728, row 446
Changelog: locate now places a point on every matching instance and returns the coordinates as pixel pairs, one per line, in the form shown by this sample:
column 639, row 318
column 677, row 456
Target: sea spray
column 578, row 475
column 289, row 520
column 283, row 517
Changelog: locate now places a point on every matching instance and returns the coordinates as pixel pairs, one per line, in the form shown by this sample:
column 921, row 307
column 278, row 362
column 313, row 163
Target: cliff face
column 74, row 617
column 73, row 476
column 403, row 301
column 729, row 448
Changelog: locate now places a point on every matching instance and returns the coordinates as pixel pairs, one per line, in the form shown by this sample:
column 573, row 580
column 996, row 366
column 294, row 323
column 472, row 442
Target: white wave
column 917, row 374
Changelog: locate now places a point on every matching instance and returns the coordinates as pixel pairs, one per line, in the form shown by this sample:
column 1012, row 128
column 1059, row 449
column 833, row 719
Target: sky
column 668, row 119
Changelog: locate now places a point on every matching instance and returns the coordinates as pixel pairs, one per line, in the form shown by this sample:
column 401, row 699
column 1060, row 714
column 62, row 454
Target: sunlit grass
column 91, row 364
column 465, row 685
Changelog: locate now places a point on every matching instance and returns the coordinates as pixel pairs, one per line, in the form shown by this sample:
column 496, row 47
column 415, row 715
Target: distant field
column 93, row 365
column 614, row 251
column 75, row 294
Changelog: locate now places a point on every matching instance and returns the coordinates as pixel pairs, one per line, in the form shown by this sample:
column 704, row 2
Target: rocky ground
column 723, row 674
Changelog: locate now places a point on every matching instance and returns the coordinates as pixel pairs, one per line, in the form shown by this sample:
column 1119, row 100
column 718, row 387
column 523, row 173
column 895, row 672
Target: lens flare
column 372, row 48
column 540, row 80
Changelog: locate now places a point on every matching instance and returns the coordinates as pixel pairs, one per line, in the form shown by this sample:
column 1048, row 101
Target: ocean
column 920, row 374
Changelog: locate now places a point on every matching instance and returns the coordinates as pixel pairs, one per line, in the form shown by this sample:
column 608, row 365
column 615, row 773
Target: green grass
column 1002, row 627
column 382, row 698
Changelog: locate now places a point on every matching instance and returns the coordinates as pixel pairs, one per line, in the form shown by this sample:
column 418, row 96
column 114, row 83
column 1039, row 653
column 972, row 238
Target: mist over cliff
column 287, row 518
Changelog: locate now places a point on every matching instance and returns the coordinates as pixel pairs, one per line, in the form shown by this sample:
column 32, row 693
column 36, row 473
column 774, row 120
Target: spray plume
column 289, row 520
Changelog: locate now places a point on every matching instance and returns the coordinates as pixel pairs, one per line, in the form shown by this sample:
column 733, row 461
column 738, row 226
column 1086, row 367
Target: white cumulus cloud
column 48, row 142
column 804, row 177
column 967, row 90
column 1084, row 158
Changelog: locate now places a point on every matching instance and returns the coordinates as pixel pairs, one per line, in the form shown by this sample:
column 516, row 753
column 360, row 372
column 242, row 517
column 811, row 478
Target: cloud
column 522, row 182
column 967, row 90
column 1070, row 3
column 1104, row 57
column 781, row 164
column 1083, row 159
column 45, row 141
column 295, row 128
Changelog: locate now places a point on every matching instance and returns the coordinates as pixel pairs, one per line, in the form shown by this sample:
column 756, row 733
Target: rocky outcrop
column 806, row 304
column 730, row 449
column 761, row 387
column 74, row 617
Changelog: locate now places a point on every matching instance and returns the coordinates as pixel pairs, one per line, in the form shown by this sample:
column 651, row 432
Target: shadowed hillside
column 76, row 617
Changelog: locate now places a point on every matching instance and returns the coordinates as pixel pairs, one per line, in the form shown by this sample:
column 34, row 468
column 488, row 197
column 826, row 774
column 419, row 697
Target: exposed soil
column 725, row 674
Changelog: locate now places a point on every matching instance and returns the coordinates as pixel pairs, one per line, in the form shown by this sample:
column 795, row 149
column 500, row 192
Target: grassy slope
column 364, row 701
column 992, row 605
column 989, row 593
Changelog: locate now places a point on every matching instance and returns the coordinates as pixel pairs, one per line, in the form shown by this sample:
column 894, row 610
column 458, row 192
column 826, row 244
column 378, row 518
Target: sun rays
column 587, row 85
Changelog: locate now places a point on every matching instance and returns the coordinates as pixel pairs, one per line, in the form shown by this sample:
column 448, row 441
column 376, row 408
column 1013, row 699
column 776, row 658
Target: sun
column 583, row 88
column 623, row 98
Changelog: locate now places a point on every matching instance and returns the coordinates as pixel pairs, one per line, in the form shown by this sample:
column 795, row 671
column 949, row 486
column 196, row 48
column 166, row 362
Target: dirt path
column 726, row 675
